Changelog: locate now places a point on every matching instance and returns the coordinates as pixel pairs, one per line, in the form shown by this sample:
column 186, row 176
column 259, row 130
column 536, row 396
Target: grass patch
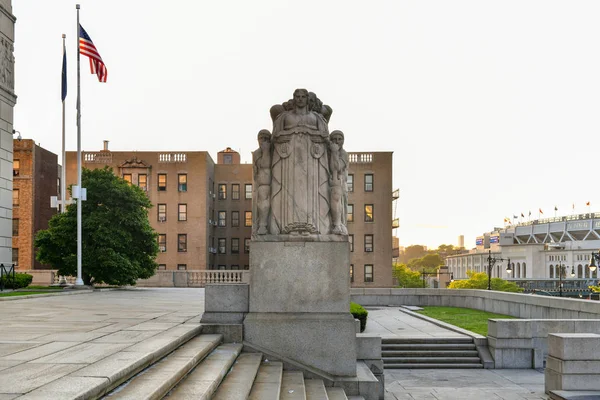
column 466, row 318
column 11, row 294
column 44, row 287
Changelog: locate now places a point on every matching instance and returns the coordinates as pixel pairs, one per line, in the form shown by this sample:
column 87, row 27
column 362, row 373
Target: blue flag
column 64, row 74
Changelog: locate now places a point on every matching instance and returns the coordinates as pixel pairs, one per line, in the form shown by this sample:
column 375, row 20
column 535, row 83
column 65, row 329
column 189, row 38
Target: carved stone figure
column 338, row 162
column 300, row 170
column 261, row 160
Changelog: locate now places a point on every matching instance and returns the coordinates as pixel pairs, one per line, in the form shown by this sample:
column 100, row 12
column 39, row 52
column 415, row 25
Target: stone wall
column 519, row 305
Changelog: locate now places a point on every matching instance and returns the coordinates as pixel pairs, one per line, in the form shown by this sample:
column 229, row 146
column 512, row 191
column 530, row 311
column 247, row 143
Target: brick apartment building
column 35, row 180
column 202, row 210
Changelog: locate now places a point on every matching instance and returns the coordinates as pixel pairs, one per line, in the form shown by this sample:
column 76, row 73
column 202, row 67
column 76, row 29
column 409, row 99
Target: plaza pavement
column 44, row 339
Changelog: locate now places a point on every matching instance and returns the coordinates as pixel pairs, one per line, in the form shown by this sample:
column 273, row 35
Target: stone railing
column 194, row 278
column 527, row 306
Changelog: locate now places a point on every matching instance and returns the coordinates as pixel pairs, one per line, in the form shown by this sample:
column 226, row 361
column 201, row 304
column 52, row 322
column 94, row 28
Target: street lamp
column 491, row 262
column 561, row 270
column 595, row 258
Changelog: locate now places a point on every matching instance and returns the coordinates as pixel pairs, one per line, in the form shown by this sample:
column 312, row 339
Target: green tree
column 429, row 263
column 118, row 244
column 406, row 277
column 479, row 280
column 414, row 251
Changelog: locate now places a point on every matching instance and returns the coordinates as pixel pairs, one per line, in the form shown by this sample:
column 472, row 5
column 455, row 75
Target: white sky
column 490, row 107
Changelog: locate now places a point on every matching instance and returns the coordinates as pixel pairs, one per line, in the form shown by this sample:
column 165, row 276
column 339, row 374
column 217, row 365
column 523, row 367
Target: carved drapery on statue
column 302, row 182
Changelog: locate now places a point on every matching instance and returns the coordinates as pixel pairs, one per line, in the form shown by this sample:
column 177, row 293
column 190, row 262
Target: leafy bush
column 479, row 280
column 20, row 281
column 407, row 278
column 359, row 313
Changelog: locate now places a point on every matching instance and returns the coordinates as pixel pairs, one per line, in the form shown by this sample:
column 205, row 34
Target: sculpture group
column 300, row 171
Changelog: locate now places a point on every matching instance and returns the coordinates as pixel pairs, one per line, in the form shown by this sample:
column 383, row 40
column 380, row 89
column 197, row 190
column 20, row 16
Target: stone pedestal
column 299, row 302
column 573, row 362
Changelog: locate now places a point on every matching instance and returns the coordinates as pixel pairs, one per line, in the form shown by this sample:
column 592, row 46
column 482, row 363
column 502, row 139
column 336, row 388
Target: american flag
column 87, row 48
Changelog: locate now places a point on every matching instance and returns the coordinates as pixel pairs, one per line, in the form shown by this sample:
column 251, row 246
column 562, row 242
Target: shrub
column 20, row 281
column 479, row 280
column 359, row 313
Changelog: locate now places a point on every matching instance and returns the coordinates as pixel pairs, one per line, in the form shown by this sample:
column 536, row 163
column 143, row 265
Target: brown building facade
column 203, row 210
column 35, row 180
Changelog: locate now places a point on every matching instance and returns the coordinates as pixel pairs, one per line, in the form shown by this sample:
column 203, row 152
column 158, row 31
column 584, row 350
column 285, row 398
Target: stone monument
column 299, row 293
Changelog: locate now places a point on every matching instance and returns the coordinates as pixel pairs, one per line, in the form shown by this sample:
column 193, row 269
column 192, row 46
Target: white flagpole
column 79, row 281
column 63, row 173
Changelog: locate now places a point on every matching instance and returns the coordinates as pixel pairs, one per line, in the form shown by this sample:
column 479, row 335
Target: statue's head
column 314, row 104
column 300, row 97
column 337, row 137
column 264, row 136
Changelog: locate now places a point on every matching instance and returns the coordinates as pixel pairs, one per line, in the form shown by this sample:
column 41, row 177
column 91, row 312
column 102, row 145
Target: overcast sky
column 490, row 107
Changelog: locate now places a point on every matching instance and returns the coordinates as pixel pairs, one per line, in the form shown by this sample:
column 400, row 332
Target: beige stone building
column 203, row 210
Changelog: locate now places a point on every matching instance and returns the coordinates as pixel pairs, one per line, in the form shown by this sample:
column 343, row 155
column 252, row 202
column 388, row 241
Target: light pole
column 491, row 262
column 562, row 269
column 595, row 258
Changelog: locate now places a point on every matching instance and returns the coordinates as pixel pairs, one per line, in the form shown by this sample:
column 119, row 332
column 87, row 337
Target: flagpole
column 79, row 281
column 63, row 172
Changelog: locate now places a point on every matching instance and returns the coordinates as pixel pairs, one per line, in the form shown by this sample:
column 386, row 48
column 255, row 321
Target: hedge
column 359, row 313
column 20, row 281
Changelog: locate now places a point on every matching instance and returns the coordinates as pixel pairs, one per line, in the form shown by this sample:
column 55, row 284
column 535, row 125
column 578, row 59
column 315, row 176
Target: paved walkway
column 447, row 384
column 44, row 339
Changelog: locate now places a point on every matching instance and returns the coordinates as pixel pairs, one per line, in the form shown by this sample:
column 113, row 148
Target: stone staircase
column 438, row 353
column 205, row 368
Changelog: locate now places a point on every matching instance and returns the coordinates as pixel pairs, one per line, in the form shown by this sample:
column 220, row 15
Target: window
column 248, row 191
column 15, row 256
column 247, row 245
column 222, row 267
column 246, row 267
column 15, row 227
column 182, row 182
column 350, row 216
column 227, row 159
column 181, row 267
column 127, row 178
column 182, row 243
column 235, row 218
column 368, row 182
column 162, row 212
column 368, row 243
column 16, row 167
column 162, row 242
column 222, row 218
column 222, row 191
column 162, row 182
column 368, row 212
column 162, row 267
column 351, row 241
column 368, row 273
column 248, row 218
column 350, row 182
column 351, row 273
column 235, row 246
column 143, row 181
column 235, row 191
column 222, row 246
column 182, row 212
column 15, row 197
column 236, row 267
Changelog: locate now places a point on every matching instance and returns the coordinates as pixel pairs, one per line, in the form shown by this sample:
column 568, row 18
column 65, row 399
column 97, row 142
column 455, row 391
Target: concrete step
column 430, row 353
column 432, row 366
column 457, row 340
column 336, row 393
column 315, row 389
column 156, row 381
column 431, row 360
column 267, row 384
column 574, row 395
column 428, row 346
column 356, row 398
column 203, row 381
column 238, row 382
column 292, row 386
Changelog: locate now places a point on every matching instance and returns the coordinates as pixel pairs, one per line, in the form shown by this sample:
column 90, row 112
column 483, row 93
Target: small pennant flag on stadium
column 530, row 213
column 87, row 48
column 522, row 216
column 555, row 208
column 541, row 212
column 587, row 204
